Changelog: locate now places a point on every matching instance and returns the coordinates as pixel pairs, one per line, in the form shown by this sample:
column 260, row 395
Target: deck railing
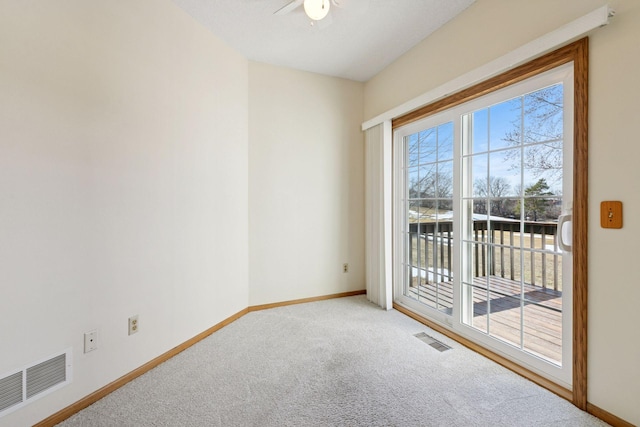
column 503, row 248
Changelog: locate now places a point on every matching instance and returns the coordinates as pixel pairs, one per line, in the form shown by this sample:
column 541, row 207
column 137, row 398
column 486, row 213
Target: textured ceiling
column 355, row 41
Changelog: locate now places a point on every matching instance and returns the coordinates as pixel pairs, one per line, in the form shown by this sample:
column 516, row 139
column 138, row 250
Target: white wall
column 136, row 148
column 491, row 28
column 123, row 185
column 306, row 191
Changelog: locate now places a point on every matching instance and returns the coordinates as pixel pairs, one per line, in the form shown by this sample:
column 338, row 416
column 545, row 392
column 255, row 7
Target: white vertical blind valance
column 378, row 239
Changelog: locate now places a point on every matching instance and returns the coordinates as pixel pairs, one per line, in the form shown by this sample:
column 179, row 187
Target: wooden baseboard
column 304, row 300
column 70, row 410
column 607, row 417
column 65, row 413
column 532, row 376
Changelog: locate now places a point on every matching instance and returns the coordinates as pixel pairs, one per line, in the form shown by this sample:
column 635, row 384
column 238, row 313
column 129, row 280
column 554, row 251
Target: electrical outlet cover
column 133, row 324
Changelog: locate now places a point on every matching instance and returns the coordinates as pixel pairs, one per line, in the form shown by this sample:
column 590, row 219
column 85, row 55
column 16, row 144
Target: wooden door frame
column 577, row 53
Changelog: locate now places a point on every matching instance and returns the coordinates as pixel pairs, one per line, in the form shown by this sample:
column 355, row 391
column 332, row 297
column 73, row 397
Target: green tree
column 536, row 200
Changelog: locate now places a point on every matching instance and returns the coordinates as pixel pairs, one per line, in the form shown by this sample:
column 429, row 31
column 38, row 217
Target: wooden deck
column 542, row 311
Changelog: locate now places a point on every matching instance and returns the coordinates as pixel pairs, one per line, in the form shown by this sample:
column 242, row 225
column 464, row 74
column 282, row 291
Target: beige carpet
column 341, row 362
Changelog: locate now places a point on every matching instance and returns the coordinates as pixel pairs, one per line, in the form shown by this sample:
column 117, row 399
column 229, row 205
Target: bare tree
column 426, row 151
column 420, row 150
column 541, row 124
column 496, row 189
column 432, row 185
column 497, row 186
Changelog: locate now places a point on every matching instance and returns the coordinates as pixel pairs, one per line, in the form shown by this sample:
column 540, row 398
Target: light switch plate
column 611, row 214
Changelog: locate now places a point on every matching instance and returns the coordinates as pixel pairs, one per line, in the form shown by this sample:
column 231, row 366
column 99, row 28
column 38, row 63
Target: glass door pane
column 479, row 190
column 428, row 219
column 512, row 265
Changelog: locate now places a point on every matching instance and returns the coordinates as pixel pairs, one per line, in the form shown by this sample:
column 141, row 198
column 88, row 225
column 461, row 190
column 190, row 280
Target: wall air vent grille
column 34, row 381
column 46, row 375
column 10, row 391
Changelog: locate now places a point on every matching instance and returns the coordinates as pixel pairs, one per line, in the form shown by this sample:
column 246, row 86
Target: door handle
column 564, row 219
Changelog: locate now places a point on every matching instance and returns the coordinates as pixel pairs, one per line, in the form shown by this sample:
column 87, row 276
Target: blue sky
column 490, row 127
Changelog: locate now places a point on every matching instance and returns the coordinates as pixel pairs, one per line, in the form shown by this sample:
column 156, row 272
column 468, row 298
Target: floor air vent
column 20, row 388
column 440, row 346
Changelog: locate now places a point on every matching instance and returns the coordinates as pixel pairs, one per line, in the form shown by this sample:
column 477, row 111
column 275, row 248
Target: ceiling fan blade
column 288, row 7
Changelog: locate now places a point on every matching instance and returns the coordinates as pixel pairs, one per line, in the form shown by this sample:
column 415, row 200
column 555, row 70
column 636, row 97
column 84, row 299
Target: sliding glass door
column 428, row 223
column 483, row 203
